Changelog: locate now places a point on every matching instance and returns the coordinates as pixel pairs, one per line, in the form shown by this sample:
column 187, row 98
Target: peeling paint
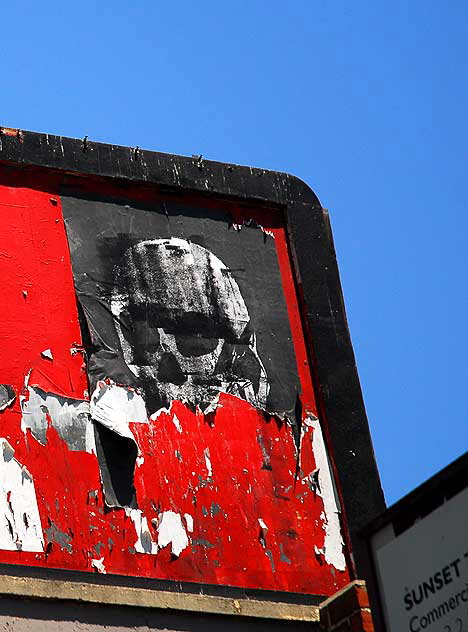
column 254, row 224
column 70, row 417
column 47, row 353
column 7, row 396
column 172, row 497
column 20, row 523
column 171, row 531
column 99, row 565
column 189, row 522
column 209, row 468
column 263, row 532
column 144, row 543
column 283, row 556
column 333, row 543
column 115, row 406
column 176, row 422
column 54, row 534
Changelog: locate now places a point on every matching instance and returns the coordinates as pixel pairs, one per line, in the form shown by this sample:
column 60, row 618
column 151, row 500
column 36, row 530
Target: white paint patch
column 171, row 531
column 262, row 524
column 161, row 411
column 99, row 565
column 70, row 417
column 20, row 523
column 144, row 542
column 47, row 353
column 209, row 468
column 116, row 406
column 189, row 522
column 265, row 231
column 333, row 543
column 263, row 532
column 176, row 422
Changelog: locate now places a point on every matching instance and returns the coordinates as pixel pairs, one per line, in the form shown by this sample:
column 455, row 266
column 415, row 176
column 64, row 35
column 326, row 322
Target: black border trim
column 335, row 372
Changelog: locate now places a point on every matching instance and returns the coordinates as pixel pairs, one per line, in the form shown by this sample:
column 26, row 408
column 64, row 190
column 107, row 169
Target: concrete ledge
column 145, row 598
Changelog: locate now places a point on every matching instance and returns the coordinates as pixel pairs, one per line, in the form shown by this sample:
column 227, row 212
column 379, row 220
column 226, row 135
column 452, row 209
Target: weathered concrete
column 29, row 604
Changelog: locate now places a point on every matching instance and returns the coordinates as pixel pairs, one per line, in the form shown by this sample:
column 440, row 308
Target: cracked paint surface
column 221, row 496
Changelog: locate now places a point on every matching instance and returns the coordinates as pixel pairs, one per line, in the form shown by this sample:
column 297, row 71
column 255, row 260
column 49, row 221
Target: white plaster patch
column 99, row 565
column 171, row 531
column 116, row 406
column 144, row 542
column 333, row 542
column 70, row 417
column 209, row 468
column 20, row 523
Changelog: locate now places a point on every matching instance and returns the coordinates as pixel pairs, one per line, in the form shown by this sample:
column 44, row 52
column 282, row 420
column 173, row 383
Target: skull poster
column 163, row 406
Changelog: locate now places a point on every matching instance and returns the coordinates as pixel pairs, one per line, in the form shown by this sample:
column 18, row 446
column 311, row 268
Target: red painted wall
column 253, row 527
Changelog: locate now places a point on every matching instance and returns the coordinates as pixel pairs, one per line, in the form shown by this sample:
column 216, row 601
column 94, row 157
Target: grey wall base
column 30, row 604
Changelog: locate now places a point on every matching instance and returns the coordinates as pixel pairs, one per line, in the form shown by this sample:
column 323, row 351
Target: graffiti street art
column 158, row 415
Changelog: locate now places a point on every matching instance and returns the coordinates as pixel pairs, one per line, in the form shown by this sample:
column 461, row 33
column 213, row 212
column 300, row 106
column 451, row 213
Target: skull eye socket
column 170, row 371
column 190, row 346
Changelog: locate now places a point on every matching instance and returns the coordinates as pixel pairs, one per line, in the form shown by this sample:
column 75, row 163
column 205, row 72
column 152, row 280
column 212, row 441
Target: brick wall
column 347, row 610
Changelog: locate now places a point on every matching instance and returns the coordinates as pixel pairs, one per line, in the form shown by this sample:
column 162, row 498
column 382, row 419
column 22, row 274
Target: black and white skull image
column 184, row 327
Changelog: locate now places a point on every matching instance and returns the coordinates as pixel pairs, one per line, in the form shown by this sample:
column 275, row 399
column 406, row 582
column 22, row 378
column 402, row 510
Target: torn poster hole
column 114, row 407
column 20, row 523
column 7, row 396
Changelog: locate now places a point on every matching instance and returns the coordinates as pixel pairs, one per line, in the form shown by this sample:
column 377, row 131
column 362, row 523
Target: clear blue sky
column 366, row 101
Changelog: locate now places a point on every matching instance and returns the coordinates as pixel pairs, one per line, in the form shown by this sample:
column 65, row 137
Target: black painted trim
column 317, row 276
column 167, row 170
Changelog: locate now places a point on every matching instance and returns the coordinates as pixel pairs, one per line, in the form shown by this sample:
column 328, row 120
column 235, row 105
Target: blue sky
column 366, row 101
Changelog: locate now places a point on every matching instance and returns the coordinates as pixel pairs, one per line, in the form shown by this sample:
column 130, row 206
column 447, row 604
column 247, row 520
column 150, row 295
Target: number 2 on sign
column 458, row 626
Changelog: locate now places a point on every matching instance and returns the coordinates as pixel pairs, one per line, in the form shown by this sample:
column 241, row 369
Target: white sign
column 423, row 573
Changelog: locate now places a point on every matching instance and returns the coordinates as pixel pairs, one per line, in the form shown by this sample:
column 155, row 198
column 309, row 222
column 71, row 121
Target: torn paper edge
column 17, row 500
column 11, row 394
column 116, row 406
column 144, row 542
column 99, row 565
column 38, row 405
column 333, row 542
column 171, row 531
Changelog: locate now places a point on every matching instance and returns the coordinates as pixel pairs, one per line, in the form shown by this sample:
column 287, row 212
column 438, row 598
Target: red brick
column 347, row 610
